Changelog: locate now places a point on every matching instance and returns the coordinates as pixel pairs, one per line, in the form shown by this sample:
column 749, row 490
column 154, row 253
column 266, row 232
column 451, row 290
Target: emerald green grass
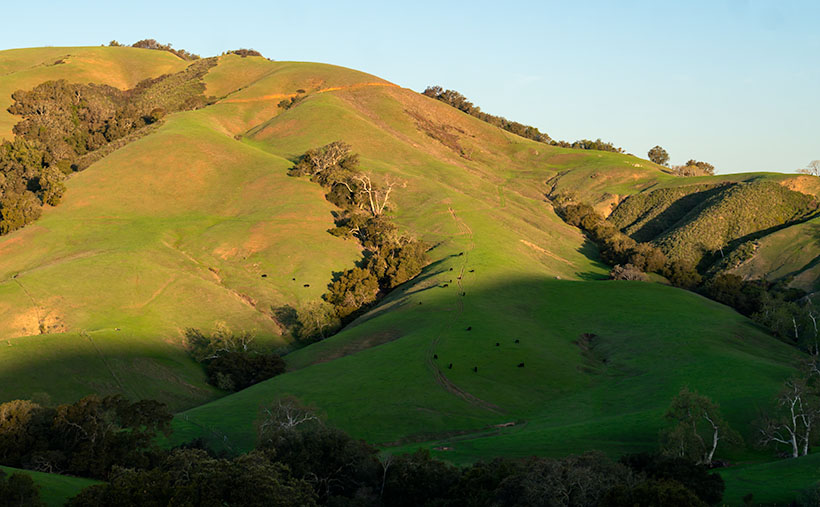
column 55, row 489
column 774, row 483
column 388, row 393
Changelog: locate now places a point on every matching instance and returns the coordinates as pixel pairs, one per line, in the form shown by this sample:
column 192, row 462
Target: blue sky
column 734, row 83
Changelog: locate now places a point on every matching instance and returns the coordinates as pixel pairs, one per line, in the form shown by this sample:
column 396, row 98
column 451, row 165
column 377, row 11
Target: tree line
column 460, row 102
column 692, row 167
column 389, row 258
column 300, row 460
column 788, row 313
column 66, row 127
column 153, row 44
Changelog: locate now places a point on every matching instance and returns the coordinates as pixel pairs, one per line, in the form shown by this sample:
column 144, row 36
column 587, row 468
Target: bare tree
column 699, row 428
column 205, row 347
column 813, row 168
column 285, row 413
column 320, row 159
column 794, row 427
column 378, row 197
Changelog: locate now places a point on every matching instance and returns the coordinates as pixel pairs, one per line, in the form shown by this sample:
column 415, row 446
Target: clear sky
column 734, row 83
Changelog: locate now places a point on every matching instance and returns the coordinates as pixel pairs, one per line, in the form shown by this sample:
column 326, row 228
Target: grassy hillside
column 121, row 67
column 55, row 489
column 178, row 228
column 790, row 252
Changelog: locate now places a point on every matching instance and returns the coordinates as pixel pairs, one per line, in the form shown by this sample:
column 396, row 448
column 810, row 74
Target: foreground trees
column 793, row 424
column 85, row 438
column 698, row 429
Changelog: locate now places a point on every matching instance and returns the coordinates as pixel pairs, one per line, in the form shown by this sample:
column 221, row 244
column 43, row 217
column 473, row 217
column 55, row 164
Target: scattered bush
column 291, row 102
column 153, row 44
column 627, row 272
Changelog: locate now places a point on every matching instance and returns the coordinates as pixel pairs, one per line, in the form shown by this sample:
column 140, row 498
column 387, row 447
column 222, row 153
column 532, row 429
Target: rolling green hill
column 199, row 223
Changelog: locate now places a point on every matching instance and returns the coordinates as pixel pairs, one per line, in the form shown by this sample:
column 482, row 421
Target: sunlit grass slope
column 509, row 265
column 177, row 229
column 55, row 489
column 792, row 252
column 121, row 67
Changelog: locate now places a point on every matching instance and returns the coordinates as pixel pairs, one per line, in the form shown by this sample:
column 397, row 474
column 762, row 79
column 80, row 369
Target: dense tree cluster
column 244, row 53
column 232, row 361
column 787, row 312
column 460, row 102
column 66, row 126
column 694, row 168
column 193, row 477
column 616, row 247
column 299, row 460
column 658, row 155
column 29, row 179
column 390, row 258
column 153, row 44
column 85, row 438
column 587, row 144
column 19, row 490
column 343, row 471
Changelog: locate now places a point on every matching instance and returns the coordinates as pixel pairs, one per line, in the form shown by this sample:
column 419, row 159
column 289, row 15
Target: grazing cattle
column 264, row 275
column 497, row 344
column 450, row 366
column 517, row 340
column 520, row 365
column 472, row 271
column 451, row 269
column 463, row 293
column 445, row 285
column 475, row 369
column 294, row 279
column 469, row 328
column 460, row 254
column 435, row 356
column 307, row 285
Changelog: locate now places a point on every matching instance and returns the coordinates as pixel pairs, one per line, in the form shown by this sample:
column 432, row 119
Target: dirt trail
column 280, row 96
column 438, row 374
